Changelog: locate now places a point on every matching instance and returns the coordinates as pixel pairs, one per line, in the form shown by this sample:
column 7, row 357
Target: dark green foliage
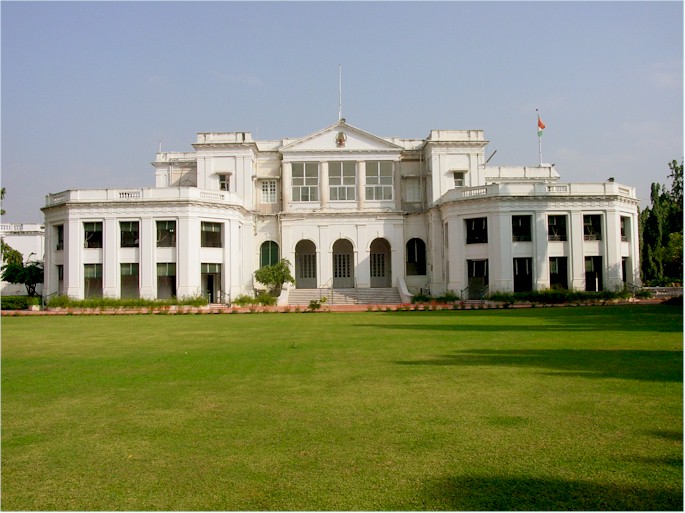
column 661, row 229
column 447, row 297
column 29, row 274
column 557, row 296
column 18, row 302
column 66, row 302
column 421, row 298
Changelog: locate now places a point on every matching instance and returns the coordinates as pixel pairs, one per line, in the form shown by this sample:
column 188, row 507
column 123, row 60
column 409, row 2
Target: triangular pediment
column 340, row 137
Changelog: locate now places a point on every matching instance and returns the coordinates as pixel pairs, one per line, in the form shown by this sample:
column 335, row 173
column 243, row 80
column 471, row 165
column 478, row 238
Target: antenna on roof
column 340, row 92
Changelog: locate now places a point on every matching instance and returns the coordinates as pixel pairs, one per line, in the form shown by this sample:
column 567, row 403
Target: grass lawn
column 577, row 408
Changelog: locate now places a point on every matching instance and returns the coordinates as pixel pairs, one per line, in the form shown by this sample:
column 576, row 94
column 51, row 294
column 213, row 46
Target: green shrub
column 557, row 296
column 421, row 298
column 265, row 299
column 643, row 294
column 15, row 302
column 105, row 302
column 244, row 300
column 447, row 297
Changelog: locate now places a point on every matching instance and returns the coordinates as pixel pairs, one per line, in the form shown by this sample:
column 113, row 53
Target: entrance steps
column 374, row 296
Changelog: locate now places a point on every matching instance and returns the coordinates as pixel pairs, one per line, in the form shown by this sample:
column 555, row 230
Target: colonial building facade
column 350, row 210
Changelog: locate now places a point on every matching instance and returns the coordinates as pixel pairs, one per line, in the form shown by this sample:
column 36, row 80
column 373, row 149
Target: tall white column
column 540, row 251
column 110, row 259
column 397, row 185
column 361, row 181
column 286, row 185
column 500, row 256
column 73, row 259
column 146, row 266
column 323, row 185
column 188, row 264
column 576, row 262
column 611, row 239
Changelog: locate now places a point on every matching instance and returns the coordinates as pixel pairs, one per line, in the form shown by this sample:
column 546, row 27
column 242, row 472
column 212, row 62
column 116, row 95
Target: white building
column 29, row 240
column 350, row 210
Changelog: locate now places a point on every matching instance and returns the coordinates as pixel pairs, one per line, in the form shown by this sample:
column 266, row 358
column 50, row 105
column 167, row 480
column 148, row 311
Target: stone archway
column 305, row 265
column 343, row 264
column 379, row 263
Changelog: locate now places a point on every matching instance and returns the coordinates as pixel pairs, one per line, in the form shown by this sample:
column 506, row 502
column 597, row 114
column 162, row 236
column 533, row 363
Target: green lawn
column 577, row 408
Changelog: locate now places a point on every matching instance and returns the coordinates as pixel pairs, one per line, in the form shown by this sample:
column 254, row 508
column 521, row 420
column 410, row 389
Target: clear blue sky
column 89, row 89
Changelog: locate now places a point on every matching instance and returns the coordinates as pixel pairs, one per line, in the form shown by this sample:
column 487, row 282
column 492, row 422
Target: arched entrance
column 305, row 265
column 379, row 263
column 343, row 264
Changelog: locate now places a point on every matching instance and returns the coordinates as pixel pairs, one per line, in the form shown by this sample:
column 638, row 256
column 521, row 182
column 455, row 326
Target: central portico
column 340, row 217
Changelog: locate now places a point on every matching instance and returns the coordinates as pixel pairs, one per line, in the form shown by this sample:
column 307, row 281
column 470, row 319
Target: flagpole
column 540, row 148
column 541, row 127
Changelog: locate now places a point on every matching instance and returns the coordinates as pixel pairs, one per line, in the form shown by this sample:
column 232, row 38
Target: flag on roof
column 541, row 126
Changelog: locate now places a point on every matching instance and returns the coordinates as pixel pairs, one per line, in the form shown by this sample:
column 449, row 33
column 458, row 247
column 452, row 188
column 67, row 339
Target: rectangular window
column 129, row 281
column 476, row 230
column 459, row 177
column 625, row 228
column 224, row 182
column 60, row 280
column 593, row 274
column 166, row 280
column 210, row 236
column 129, row 234
column 269, row 191
column 556, row 228
column 412, row 190
column 210, row 268
column 307, row 266
column 592, row 227
column 523, row 274
column 92, row 281
column 379, row 180
column 342, row 181
column 92, row 235
column 521, row 228
column 166, row 234
column 305, row 181
column 59, row 234
column 558, row 273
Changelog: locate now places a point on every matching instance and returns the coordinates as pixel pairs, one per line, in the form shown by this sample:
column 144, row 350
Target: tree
column 29, row 275
column 2, row 197
column 9, row 254
column 661, row 229
column 274, row 276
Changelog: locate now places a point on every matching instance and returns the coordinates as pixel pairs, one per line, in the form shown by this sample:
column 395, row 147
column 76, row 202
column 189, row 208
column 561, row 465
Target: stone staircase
column 376, row 296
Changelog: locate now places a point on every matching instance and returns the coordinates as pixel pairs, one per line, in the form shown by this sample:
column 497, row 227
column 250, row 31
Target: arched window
column 416, row 257
column 268, row 254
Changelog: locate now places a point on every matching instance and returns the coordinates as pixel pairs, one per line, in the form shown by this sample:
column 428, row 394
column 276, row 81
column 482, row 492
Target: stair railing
column 328, row 285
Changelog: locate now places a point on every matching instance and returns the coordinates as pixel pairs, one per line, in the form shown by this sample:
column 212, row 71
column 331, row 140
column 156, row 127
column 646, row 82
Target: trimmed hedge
column 557, row 296
column 19, row 302
column 66, row 302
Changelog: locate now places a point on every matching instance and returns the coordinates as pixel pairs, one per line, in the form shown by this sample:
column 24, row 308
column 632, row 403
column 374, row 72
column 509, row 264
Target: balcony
column 606, row 189
column 142, row 195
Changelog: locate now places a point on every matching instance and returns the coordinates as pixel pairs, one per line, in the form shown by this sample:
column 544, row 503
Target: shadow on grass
column 661, row 366
column 535, row 494
column 657, row 319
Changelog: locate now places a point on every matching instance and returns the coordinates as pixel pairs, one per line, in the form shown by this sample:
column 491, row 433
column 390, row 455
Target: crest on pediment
column 340, row 136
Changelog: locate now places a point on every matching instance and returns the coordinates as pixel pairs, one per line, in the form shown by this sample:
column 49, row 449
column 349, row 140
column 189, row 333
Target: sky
column 89, row 89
